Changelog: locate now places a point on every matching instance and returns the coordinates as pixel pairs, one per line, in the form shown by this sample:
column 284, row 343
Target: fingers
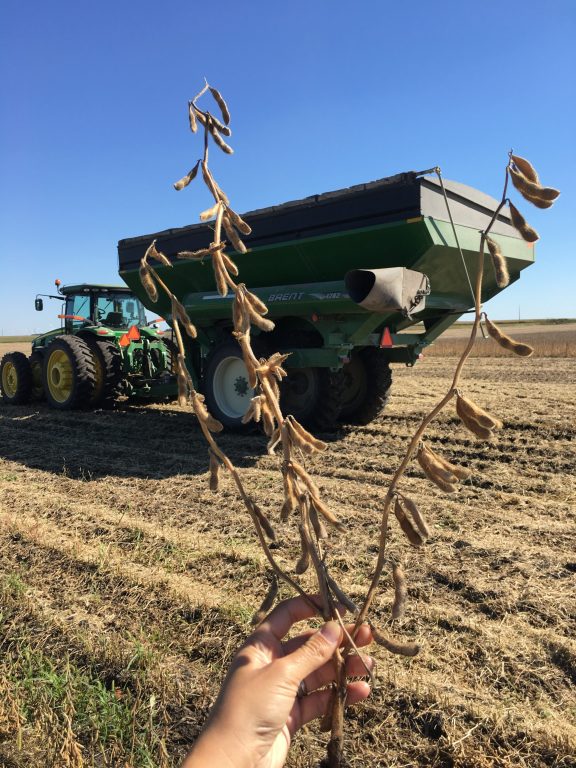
column 357, row 691
column 313, row 654
column 285, row 614
column 316, row 704
column 363, row 638
column 326, row 674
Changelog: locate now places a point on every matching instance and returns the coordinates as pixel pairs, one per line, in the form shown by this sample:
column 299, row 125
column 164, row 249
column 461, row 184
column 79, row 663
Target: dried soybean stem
column 178, row 335
column 273, row 400
column 354, row 647
column 328, row 609
column 390, row 495
column 248, row 309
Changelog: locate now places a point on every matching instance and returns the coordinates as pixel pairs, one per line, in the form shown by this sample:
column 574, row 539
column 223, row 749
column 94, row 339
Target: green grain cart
column 354, row 279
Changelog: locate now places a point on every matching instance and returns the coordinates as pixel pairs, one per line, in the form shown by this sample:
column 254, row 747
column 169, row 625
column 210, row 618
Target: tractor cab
column 113, row 307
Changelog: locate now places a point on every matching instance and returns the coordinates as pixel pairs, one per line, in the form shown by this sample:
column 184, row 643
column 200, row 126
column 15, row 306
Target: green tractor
column 103, row 349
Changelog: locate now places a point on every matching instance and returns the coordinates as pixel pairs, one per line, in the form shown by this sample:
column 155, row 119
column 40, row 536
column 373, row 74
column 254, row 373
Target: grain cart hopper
column 103, row 348
column 311, row 262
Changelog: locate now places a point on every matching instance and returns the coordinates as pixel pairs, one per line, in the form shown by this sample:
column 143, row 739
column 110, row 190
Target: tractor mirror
column 38, row 305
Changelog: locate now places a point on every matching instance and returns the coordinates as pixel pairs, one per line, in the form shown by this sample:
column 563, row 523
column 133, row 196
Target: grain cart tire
column 226, row 386
column 36, row 361
column 69, row 374
column 313, row 396
column 107, row 360
column 367, row 380
column 16, row 379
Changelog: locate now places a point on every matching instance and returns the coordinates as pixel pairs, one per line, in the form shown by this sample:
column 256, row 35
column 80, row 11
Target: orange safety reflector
column 133, row 333
column 124, row 341
column 102, row 332
column 72, row 317
column 158, row 320
column 386, row 340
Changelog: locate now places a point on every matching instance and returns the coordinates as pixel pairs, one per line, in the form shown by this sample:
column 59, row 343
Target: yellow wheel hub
column 60, row 376
column 9, row 379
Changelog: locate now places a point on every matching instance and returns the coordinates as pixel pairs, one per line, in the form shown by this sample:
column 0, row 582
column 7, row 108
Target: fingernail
column 331, row 632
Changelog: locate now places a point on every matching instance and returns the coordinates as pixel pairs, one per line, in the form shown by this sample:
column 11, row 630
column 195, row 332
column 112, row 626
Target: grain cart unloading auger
column 103, row 348
column 354, row 280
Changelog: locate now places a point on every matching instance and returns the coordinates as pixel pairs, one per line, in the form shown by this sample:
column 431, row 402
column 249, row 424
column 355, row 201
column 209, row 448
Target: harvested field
column 548, row 340
column 126, row 586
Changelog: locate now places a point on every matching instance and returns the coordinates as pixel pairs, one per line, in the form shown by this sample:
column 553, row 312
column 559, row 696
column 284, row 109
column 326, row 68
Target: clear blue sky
column 323, row 95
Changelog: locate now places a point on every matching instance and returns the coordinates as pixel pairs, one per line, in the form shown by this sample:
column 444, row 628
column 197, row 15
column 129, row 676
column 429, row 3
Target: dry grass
column 126, row 585
column 547, row 340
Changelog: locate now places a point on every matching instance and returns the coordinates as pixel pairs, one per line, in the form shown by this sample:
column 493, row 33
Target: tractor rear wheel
column 171, row 356
column 36, row 361
column 16, row 379
column 313, row 396
column 367, row 380
column 107, row 360
column 69, row 374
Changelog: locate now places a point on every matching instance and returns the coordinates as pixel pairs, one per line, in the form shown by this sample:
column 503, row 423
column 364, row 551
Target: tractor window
column 79, row 306
column 119, row 310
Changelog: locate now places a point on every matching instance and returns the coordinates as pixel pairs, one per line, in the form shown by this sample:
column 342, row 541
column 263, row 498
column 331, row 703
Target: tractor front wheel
column 16, row 378
column 69, row 374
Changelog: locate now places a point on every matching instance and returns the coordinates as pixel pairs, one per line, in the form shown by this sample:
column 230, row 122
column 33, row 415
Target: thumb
column 316, row 651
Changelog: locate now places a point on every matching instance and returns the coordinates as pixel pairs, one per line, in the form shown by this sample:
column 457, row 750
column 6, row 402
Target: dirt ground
column 124, row 577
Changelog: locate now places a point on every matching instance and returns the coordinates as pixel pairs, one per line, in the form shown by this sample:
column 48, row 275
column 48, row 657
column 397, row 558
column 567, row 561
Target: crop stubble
column 115, row 543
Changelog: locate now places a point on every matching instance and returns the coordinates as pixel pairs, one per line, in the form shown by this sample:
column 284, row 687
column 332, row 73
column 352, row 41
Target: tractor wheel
column 367, row 381
column 226, row 387
column 36, row 361
column 107, row 360
column 171, row 356
column 69, row 374
column 16, row 378
column 313, row 396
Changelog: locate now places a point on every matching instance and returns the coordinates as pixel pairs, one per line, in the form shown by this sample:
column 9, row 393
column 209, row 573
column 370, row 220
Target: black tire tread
column 84, row 372
column 23, row 393
column 111, row 361
column 327, row 410
column 378, row 384
column 37, row 357
column 172, row 350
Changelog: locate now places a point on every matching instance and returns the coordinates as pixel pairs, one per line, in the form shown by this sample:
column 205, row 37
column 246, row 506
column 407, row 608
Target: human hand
column 258, row 709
